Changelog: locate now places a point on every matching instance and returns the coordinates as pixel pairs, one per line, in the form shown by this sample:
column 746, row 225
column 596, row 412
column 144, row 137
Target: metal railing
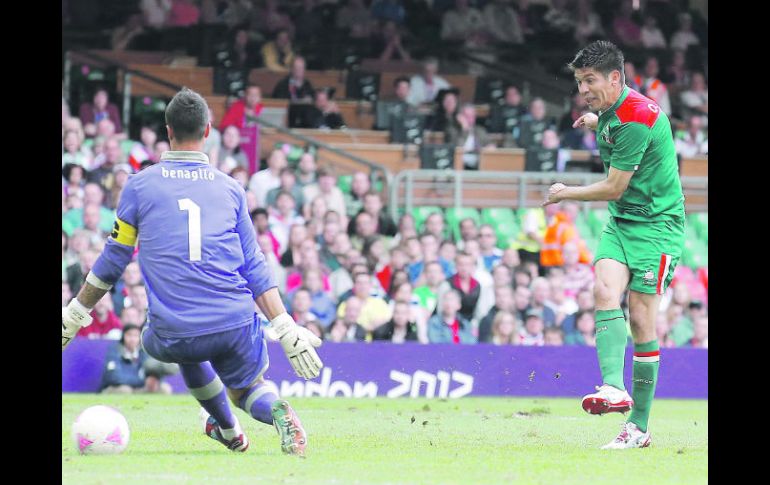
column 464, row 188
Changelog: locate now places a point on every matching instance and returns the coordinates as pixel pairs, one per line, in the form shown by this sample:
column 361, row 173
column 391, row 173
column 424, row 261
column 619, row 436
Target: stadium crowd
column 346, row 269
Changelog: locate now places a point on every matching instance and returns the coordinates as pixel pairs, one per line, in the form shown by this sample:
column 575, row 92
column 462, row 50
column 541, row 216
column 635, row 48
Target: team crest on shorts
column 649, row 277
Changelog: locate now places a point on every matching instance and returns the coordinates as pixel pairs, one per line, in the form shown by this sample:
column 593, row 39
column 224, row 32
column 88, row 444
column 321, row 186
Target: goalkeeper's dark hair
column 601, row 55
column 187, row 114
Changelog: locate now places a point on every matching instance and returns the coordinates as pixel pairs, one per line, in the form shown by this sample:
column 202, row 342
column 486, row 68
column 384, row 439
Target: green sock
column 611, row 345
column 646, row 363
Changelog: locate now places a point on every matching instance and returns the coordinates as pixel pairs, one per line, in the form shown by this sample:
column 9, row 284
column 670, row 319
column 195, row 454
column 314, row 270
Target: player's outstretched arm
column 107, row 269
column 611, row 188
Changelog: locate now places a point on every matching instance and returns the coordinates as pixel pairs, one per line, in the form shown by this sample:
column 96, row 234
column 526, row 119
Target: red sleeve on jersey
column 637, row 108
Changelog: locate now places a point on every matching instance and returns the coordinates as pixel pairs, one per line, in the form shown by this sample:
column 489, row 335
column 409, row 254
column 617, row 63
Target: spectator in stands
column 464, row 23
column 298, row 234
column 306, row 170
column 100, row 218
column 360, row 185
column 326, row 187
column 505, row 118
column 344, row 328
column 241, row 175
column 693, row 141
column 104, row 164
column 288, row 184
column 654, row 88
column 684, row 37
column 534, row 124
column 269, row 19
column 123, row 372
column 105, row 323
column 633, row 81
column 663, row 330
column 155, row 12
column 425, row 86
column 585, row 303
column 588, row 25
column 700, row 338
column 445, row 112
column 505, row 329
column 295, row 87
column 265, row 180
column 553, row 336
column 243, row 53
column 99, row 109
column 652, row 37
column 522, row 296
column 625, row 28
column 354, row 19
column 374, row 311
column 183, row 13
column 389, row 10
column 283, row 217
column 465, row 284
column 541, row 295
column 300, row 307
column 578, row 108
column 326, row 113
column 450, row 325
column 427, row 294
column 74, row 152
column 315, row 213
column 277, row 55
column 678, row 75
column 321, row 303
column 467, row 134
column 132, row 276
column 244, row 111
column 504, row 303
column 502, row 23
column 695, row 100
column 530, row 19
column 490, row 253
column 230, row 153
column 532, row 332
column 137, row 297
column 384, row 225
column 401, row 328
column 121, row 173
column 385, row 43
column 560, row 231
column 577, row 276
column 161, row 146
column 434, row 224
column 584, row 332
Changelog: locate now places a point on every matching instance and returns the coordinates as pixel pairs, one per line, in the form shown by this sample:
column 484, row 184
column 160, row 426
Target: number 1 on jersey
column 193, row 227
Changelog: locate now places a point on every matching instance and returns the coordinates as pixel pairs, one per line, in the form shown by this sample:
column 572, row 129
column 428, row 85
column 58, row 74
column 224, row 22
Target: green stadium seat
column 585, row 229
column 344, row 182
column 126, row 145
column 700, row 222
column 498, row 215
column 422, row 213
column 598, row 218
column 695, row 254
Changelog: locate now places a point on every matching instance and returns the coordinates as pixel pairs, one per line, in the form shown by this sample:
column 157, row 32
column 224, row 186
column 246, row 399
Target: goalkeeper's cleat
column 630, row 437
column 607, row 399
column 286, row 422
column 213, row 430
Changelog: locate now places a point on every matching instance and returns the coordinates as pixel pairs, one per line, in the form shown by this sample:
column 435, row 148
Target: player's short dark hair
column 601, row 55
column 401, row 79
column 187, row 114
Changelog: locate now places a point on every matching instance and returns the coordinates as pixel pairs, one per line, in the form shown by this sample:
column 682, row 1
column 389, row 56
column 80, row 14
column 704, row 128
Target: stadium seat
column 126, row 145
column 422, row 213
column 497, row 215
column 585, row 229
column 598, row 218
column 344, row 182
column 700, row 222
column 695, row 253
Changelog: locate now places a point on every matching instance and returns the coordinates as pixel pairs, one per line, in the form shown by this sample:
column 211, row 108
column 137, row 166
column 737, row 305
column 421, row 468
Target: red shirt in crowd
column 99, row 328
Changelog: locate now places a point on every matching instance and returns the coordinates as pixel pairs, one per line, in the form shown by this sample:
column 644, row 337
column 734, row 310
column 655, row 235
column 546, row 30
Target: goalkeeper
column 203, row 271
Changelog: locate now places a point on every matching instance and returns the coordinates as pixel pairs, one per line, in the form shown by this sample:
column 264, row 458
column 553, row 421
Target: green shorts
column 651, row 251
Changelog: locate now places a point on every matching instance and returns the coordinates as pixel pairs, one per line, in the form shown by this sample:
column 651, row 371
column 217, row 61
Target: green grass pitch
column 397, row 441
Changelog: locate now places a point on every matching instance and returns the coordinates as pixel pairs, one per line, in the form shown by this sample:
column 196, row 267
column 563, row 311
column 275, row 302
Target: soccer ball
column 100, row 430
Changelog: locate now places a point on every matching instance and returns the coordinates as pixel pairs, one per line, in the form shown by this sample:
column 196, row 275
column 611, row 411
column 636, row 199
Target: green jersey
column 635, row 135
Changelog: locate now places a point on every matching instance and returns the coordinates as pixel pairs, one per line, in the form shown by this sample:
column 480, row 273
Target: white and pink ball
column 100, row 430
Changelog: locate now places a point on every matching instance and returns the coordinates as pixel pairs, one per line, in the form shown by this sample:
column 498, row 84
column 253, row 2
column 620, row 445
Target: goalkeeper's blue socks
column 205, row 386
column 257, row 401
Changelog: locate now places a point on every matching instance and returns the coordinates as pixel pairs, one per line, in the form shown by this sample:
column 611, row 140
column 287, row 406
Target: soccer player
column 203, row 271
column 642, row 242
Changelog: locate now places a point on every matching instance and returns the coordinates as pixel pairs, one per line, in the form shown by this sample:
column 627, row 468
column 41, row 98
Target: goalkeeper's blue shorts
column 238, row 355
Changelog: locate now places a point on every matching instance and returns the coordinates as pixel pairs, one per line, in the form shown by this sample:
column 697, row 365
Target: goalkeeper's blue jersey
column 197, row 248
